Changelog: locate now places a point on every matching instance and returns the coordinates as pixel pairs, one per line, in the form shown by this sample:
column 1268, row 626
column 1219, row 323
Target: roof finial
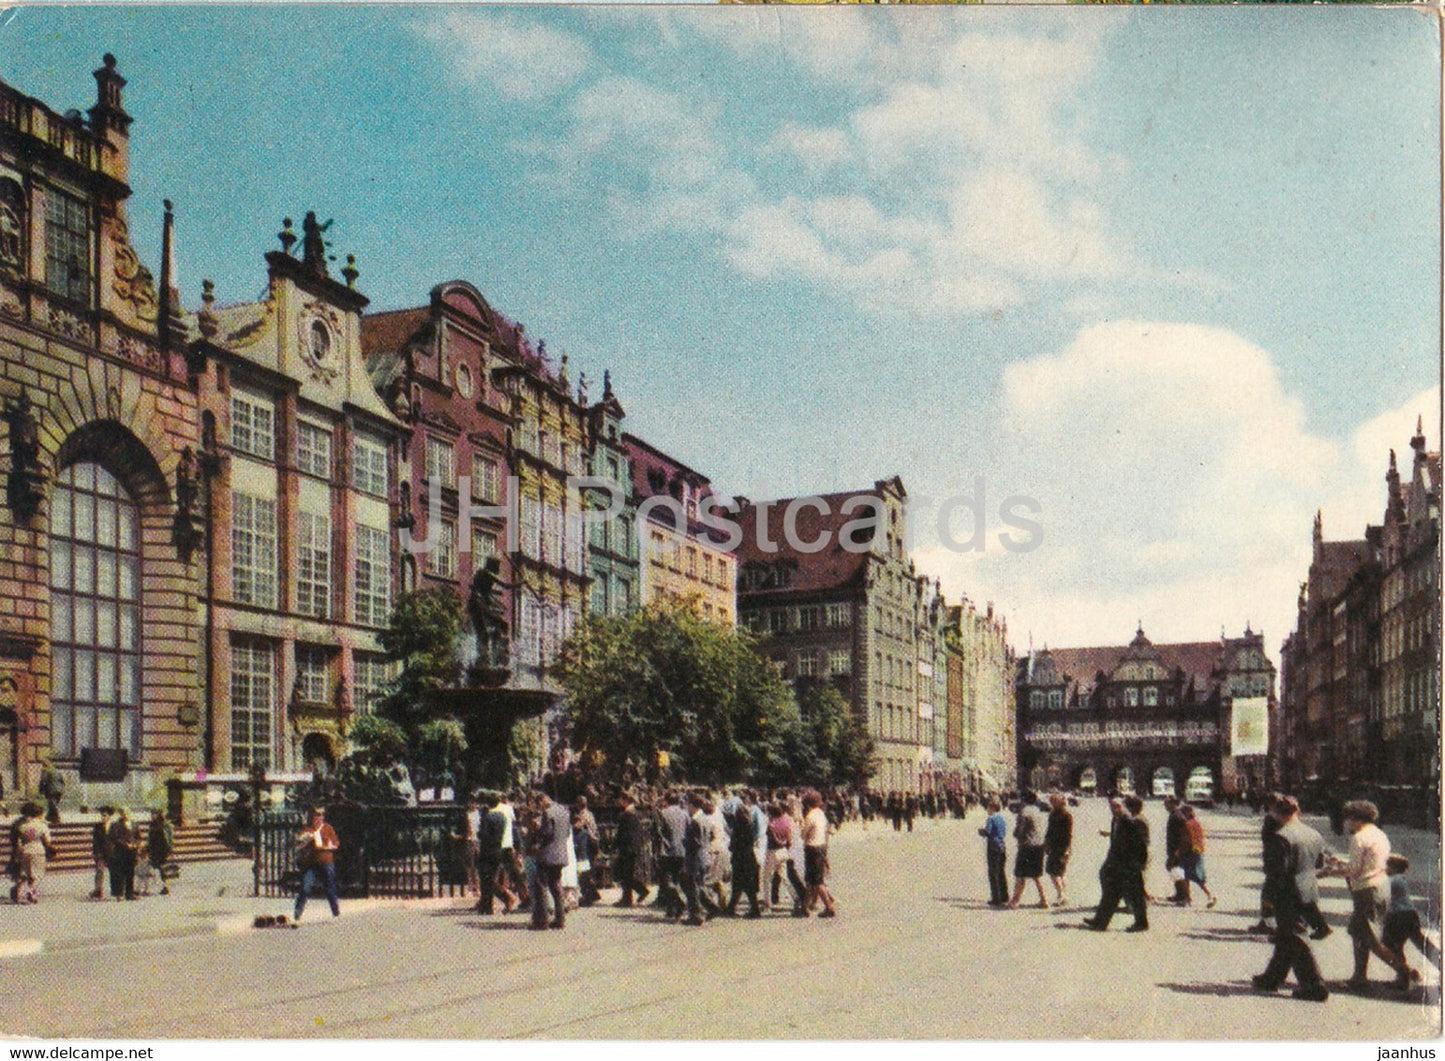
column 607, row 385
column 206, row 319
column 351, row 272
column 287, row 236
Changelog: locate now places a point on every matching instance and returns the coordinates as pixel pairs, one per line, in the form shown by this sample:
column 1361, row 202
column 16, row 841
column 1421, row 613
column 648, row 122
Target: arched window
column 95, row 601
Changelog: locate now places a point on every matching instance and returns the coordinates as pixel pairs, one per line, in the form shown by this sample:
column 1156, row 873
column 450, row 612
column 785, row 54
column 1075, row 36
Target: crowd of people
column 704, row 852
column 126, row 857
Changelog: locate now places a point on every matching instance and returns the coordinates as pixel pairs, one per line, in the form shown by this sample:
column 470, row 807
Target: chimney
column 110, row 122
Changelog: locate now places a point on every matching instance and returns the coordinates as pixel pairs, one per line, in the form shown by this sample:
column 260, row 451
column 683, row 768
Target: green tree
column 663, row 680
column 377, row 739
column 839, row 739
column 422, row 634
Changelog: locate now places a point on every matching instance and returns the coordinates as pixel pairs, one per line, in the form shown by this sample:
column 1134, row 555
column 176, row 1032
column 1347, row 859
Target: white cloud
column 521, row 58
column 1178, row 481
column 817, row 150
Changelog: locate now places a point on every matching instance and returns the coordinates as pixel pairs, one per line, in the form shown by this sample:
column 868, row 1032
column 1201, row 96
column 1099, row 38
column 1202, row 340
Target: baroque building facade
column 979, row 723
column 1137, row 717
column 613, row 550
column 99, row 572
column 300, row 462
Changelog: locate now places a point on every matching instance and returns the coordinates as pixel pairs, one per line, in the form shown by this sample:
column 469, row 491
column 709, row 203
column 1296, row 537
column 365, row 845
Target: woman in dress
column 34, row 839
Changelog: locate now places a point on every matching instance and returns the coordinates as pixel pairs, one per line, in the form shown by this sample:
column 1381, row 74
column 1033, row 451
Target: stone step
column 199, row 842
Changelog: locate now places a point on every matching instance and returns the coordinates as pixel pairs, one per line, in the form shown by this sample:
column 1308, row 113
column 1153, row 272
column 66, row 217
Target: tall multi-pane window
column 368, row 465
column 485, row 478
column 253, row 425
column 253, row 703
column 441, row 463
column 373, row 681
column 530, row 511
column 444, row 553
column 484, row 545
column 313, row 674
column 67, row 246
column 373, row 577
column 313, row 449
column 95, row 610
column 552, row 535
column 313, row 564
column 253, row 550
column 840, row 662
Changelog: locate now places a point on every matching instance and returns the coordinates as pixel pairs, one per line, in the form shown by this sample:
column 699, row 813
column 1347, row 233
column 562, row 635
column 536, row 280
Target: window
column 807, row 664
column 253, row 550
column 1056, row 699
column 253, row 425
column 1036, row 700
column 1151, row 696
column 551, row 535
column 95, row 610
column 313, row 674
column 67, row 246
column 485, row 479
column 368, row 468
column 313, row 449
column 530, row 512
column 373, row 577
column 253, row 696
column 484, row 544
column 840, row 662
column 1131, row 697
column 443, row 557
column 373, row 681
column 809, row 616
column 599, row 596
column 573, row 540
column 839, row 614
column 313, row 565
column 441, row 463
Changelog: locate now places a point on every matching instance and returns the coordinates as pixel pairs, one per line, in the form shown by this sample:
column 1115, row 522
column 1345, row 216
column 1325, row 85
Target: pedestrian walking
column 627, row 853
column 1058, row 843
column 588, row 843
column 160, row 842
column 1365, row 873
column 1173, row 843
column 120, row 855
column 471, row 846
column 995, row 834
column 672, row 826
column 1300, row 854
column 97, row 852
column 815, row 856
column 551, row 847
column 1270, row 853
column 744, row 862
column 1029, row 828
column 32, row 847
column 316, row 847
column 1402, row 924
column 696, row 850
column 490, row 827
column 779, row 859
column 1190, row 855
column 1121, row 877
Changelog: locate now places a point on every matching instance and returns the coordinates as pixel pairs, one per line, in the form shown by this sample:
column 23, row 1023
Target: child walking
column 1402, row 923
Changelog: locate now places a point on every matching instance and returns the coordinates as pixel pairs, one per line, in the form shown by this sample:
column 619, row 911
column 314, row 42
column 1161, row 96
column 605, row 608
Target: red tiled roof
column 381, row 333
column 832, row 567
column 1082, row 666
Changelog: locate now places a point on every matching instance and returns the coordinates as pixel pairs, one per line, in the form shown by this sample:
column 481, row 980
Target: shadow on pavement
column 1226, row 935
column 1232, row 989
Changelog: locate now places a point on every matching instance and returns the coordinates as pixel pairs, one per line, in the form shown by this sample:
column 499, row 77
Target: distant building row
column 1360, row 706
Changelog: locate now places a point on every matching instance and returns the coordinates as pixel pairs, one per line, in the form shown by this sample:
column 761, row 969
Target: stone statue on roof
column 313, row 245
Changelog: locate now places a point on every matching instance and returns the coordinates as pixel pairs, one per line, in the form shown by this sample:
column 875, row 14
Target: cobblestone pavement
column 916, row 953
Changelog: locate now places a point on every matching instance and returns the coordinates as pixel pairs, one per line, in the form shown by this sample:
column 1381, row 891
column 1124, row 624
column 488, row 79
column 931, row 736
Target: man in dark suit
column 1300, row 854
column 1122, row 874
column 630, row 838
column 554, row 835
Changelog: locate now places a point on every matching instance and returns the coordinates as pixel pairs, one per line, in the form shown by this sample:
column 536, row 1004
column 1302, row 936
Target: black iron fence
column 386, row 852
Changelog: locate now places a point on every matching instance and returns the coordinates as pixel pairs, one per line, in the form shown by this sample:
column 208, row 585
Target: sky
column 1171, row 276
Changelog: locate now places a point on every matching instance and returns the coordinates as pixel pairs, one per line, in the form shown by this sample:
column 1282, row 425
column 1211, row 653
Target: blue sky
column 1172, row 273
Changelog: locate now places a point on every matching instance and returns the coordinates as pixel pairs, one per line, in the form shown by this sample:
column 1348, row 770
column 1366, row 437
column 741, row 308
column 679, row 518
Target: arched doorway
column 1124, row 781
column 95, row 613
column 1162, row 783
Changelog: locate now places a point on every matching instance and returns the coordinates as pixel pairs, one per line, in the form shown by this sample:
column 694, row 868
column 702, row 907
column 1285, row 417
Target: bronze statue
column 484, row 608
column 313, row 246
